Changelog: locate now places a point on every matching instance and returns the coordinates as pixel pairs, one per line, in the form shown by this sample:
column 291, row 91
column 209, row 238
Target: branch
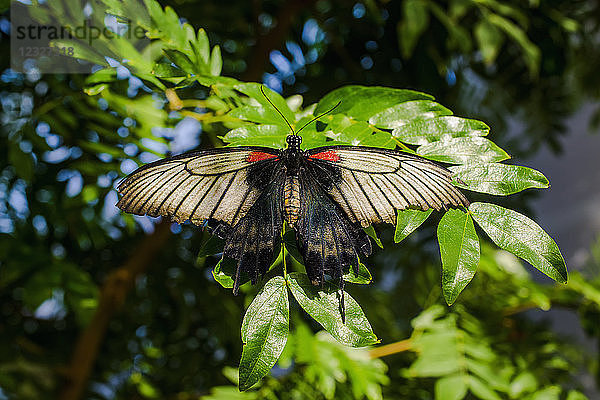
column 273, row 39
column 389, row 349
column 112, row 296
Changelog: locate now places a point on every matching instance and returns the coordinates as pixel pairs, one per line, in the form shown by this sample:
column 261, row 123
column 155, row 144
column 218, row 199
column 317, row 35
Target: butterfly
column 328, row 195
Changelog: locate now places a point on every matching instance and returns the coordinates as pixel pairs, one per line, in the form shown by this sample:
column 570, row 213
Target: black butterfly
column 327, row 194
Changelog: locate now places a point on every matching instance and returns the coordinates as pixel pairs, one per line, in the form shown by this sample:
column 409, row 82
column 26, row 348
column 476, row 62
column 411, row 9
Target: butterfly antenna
column 319, row 116
column 277, row 109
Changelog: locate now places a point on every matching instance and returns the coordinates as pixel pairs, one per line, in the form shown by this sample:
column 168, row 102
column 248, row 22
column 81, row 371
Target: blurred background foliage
column 96, row 304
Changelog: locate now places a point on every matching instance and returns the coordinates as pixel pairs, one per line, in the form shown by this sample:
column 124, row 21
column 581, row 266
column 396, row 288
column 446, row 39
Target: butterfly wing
column 253, row 239
column 329, row 241
column 212, row 185
column 237, row 191
column 370, row 184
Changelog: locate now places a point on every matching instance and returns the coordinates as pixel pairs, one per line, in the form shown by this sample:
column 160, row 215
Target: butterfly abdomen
column 291, row 199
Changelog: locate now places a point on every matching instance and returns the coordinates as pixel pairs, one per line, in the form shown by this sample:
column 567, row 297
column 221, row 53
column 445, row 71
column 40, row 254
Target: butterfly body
column 326, row 194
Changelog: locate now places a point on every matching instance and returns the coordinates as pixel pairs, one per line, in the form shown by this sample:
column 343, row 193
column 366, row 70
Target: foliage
column 69, row 138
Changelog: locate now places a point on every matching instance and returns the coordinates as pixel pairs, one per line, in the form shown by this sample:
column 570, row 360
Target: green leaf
column 407, row 221
column 521, row 236
column 222, row 278
column 253, row 91
column 373, row 235
column 423, row 131
column 258, row 135
column 481, row 389
column 403, row 113
column 291, row 245
column 523, row 383
column 362, row 278
column 104, row 75
column 459, row 249
column 452, row 387
column 498, row 179
column 264, row 332
column 81, row 51
column 548, row 393
column 414, row 22
column 216, row 62
column 439, row 354
column 463, row 150
column 362, row 102
column 201, row 47
column 324, row 307
column 358, row 133
column 181, row 60
column 489, row 39
column 168, row 71
column 576, row 395
column 531, row 52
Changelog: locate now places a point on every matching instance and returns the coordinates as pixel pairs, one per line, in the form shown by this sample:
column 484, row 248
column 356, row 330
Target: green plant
column 183, row 74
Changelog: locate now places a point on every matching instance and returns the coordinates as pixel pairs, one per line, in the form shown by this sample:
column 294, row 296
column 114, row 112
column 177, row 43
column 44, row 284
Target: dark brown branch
column 112, row 296
column 273, row 39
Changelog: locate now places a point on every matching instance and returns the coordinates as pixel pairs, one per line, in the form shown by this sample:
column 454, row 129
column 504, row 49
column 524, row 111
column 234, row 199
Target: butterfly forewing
column 220, row 184
column 370, row 184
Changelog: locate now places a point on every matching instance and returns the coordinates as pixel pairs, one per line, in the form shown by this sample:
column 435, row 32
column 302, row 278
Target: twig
column 389, row 349
column 112, row 296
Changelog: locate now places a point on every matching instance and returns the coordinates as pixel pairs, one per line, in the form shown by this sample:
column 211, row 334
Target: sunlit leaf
column 373, row 235
column 459, row 248
column 363, row 277
column 259, row 135
column 452, row 387
column 423, row 131
column 521, row 236
column 216, row 62
column 324, row 307
column 404, row 113
column 362, row 102
column 220, row 276
column 264, row 332
column 498, row 179
column 253, row 90
column 407, row 221
column 481, row 389
column 463, row 150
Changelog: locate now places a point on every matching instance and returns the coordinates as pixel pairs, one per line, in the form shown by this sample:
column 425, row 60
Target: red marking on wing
column 259, row 156
column 327, row 156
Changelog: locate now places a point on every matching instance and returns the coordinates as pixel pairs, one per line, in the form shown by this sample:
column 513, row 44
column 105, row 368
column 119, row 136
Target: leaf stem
column 283, row 256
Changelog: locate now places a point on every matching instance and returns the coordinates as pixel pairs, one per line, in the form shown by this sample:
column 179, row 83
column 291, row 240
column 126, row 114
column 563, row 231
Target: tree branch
column 273, row 39
column 112, row 296
column 389, row 349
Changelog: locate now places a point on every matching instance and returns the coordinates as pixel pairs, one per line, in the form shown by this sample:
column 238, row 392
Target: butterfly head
column 294, row 141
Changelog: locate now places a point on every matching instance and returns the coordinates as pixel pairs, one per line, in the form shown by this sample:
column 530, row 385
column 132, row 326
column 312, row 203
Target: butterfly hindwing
column 329, row 242
column 370, row 184
column 252, row 241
